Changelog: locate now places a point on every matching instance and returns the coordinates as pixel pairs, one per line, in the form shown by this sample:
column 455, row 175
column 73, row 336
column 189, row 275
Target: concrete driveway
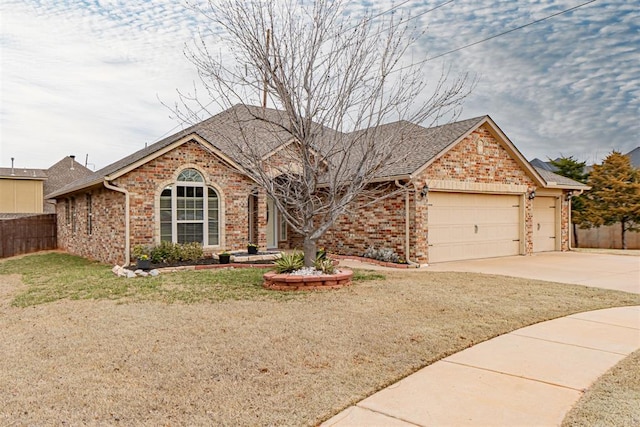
column 620, row 272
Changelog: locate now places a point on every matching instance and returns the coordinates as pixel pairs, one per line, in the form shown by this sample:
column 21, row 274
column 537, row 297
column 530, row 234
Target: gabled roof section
column 472, row 124
column 261, row 130
column 64, row 172
column 417, row 145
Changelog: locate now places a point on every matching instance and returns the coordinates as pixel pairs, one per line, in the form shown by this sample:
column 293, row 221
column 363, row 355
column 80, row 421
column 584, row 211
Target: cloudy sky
column 88, row 77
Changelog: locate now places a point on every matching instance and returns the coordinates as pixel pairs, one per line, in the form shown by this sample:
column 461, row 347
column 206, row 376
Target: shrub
column 288, row 263
column 189, row 251
column 163, row 253
column 382, row 254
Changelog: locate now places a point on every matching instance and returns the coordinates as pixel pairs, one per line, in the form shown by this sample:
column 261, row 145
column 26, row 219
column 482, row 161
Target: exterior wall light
column 532, row 195
column 568, row 196
column 424, row 191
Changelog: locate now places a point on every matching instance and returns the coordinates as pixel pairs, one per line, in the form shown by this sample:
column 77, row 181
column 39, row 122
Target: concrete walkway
column 529, row 377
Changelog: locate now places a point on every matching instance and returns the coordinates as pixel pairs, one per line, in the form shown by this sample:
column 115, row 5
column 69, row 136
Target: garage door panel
column 468, row 226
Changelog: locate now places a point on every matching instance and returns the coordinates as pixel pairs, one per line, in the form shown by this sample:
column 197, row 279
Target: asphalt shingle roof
column 23, row 173
column 263, row 130
column 551, row 177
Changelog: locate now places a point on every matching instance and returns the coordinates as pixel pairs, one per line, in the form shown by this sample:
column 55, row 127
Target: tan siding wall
column 21, row 196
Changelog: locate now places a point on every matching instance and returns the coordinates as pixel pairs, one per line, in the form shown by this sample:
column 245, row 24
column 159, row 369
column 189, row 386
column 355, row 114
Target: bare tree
column 332, row 81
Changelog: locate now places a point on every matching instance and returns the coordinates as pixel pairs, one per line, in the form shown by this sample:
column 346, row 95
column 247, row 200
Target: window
column 89, row 216
column 189, row 211
column 283, row 228
column 73, row 215
column 67, row 211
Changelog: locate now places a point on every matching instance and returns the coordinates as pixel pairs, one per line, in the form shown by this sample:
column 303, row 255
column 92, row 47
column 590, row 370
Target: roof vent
column 12, row 172
column 72, row 160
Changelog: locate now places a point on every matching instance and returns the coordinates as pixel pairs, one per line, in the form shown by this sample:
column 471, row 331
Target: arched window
column 190, row 211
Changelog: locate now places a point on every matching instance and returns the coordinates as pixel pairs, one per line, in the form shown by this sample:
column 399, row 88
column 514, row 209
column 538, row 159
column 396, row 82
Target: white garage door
column 467, row 226
column 544, row 224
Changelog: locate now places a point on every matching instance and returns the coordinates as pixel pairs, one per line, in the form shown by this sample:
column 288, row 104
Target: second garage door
column 468, row 226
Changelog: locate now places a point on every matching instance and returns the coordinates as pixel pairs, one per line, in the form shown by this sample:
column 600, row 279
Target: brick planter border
column 288, row 282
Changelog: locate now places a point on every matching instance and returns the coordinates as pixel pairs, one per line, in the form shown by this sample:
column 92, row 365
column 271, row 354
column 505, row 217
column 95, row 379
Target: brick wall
column 381, row 225
column 478, row 159
column 144, row 184
column 105, row 241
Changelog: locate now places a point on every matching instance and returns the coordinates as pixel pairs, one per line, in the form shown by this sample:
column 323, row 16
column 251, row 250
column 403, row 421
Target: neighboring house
column 467, row 193
column 541, row 164
column 634, row 156
column 22, row 190
column 62, row 173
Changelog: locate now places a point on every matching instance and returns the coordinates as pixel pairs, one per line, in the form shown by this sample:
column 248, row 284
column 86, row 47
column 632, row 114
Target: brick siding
column 478, row 159
column 144, row 184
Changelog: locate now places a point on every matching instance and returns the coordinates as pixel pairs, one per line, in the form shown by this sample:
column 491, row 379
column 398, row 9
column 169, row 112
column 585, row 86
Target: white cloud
column 84, row 77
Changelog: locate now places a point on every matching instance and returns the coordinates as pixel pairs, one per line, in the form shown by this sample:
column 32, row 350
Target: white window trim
column 206, row 184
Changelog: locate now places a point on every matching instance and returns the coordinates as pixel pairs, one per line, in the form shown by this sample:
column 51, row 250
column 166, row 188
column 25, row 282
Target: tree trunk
column 309, row 247
column 624, row 234
column 575, row 235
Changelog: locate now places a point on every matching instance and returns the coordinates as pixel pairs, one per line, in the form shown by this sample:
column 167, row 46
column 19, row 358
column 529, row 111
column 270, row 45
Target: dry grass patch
column 613, row 400
column 253, row 358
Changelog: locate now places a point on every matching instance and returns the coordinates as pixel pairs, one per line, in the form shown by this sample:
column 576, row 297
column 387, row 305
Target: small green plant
column 252, row 245
column 224, row 252
column 382, row 254
column 288, row 263
column 141, row 252
column 325, row 265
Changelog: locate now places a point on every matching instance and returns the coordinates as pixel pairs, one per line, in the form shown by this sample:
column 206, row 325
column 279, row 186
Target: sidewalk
column 531, row 376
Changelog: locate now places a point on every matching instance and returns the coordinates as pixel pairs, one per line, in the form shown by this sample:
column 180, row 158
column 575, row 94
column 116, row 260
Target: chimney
column 12, row 172
column 72, row 160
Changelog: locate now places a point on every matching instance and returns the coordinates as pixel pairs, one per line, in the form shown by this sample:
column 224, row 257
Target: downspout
column 127, row 243
column 407, row 228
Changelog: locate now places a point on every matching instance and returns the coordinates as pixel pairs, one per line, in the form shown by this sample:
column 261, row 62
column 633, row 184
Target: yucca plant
column 288, row 263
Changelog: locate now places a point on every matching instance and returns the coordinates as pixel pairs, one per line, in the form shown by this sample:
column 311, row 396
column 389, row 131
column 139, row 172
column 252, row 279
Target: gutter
column 406, row 223
column 127, row 242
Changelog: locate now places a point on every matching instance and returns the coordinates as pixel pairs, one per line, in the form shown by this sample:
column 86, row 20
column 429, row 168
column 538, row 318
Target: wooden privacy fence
column 27, row 234
column 607, row 237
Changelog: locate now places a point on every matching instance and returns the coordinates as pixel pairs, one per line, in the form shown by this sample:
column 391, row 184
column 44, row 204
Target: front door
column 272, row 224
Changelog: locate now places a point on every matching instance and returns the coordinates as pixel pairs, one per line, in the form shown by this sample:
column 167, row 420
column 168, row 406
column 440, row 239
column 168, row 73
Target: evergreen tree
column 614, row 196
column 573, row 169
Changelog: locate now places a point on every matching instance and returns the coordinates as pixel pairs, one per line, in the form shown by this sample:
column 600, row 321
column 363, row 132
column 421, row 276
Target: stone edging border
column 372, row 261
column 288, row 282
